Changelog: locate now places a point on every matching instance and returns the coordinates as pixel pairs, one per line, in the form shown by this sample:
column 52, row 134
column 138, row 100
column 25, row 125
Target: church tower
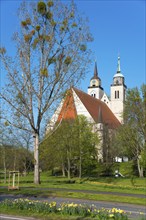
column 95, row 88
column 118, row 92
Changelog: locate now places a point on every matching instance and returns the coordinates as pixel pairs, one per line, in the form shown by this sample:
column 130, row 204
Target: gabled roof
column 68, row 110
column 94, row 106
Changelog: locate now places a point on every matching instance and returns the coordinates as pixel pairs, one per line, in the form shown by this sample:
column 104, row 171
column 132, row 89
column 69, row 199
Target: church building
column 94, row 105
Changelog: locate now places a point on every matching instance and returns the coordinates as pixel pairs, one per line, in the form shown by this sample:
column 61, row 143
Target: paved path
column 84, row 191
column 91, row 192
column 10, row 217
column 133, row 211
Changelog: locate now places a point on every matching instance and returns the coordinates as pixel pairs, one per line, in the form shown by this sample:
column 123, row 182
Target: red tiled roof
column 68, row 110
column 94, row 105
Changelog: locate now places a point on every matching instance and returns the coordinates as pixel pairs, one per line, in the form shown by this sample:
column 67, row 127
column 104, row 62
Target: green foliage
column 46, row 27
column 15, row 158
column 74, row 24
column 35, row 42
column 50, row 3
column 2, row 50
column 49, row 15
column 53, row 23
column 27, row 38
column 68, row 60
column 48, row 38
column 131, row 137
column 44, row 72
column 51, row 60
column 6, row 123
column 37, row 28
column 28, row 21
column 83, row 47
column 23, row 23
column 127, row 168
column 73, row 142
column 41, row 8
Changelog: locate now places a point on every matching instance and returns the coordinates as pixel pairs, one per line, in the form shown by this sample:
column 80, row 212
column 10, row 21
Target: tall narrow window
column 93, row 94
column 116, row 94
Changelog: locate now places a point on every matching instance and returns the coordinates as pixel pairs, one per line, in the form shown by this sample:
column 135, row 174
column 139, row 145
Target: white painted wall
column 117, row 104
column 97, row 91
column 81, row 109
column 54, row 118
column 105, row 99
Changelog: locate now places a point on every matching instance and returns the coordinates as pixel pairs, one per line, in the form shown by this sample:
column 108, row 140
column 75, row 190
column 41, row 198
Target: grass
column 112, row 185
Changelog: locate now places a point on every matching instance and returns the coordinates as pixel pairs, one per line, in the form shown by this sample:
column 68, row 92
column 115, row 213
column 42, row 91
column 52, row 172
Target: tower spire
column 118, row 66
column 95, row 70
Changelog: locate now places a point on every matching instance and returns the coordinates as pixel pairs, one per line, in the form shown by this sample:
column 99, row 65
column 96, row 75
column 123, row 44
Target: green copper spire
column 118, row 66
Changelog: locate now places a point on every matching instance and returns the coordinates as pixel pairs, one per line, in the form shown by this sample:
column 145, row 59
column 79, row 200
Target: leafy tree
column 71, row 145
column 109, row 152
column 15, row 158
column 131, row 136
column 86, row 142
column 51, row 55
column 60, row 146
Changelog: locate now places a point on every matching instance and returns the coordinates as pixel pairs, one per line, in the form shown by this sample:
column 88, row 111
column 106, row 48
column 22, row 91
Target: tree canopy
column 72, row 147
column 131, row 137
column 51, row 55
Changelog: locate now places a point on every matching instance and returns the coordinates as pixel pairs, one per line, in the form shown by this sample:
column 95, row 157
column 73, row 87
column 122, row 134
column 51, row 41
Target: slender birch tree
column 51, row 55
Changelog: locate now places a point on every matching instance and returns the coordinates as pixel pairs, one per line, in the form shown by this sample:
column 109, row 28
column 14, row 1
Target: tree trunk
column 80, row 167
column 36, row 159
column 68, row 164
column 63, row 170
column 5, row 170
column 140, row 168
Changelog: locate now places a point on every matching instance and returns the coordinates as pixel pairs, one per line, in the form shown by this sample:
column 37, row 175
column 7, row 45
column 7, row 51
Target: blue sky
column 116, row 26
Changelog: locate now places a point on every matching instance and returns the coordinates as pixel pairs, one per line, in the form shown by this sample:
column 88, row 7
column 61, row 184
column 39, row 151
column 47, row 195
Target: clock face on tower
column 94, row 82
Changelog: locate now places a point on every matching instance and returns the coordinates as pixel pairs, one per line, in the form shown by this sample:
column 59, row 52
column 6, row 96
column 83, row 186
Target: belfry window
column 116, row 94
column 93, row 94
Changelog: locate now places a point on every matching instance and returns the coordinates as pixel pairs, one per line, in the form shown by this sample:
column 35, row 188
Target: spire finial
column 95, row 70
column 118, row 66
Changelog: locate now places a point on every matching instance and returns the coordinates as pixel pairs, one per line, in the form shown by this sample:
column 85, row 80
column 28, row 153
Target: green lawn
column 115, row 185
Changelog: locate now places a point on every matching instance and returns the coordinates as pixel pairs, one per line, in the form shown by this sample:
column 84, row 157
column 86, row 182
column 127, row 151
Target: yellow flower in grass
column 111, row 215
column 52, row 204
column 141, row 213
column 121, row 211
